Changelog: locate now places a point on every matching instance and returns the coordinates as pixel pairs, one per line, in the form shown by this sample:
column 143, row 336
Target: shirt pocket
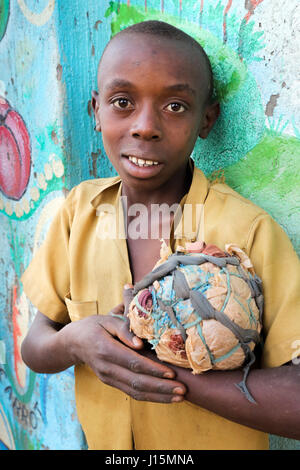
column 78, row 310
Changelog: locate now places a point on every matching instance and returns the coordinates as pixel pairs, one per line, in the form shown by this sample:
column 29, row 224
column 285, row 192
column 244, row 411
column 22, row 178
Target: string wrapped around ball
column 201, row 308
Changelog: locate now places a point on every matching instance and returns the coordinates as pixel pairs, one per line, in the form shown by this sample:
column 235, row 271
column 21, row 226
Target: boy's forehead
column 139, row 48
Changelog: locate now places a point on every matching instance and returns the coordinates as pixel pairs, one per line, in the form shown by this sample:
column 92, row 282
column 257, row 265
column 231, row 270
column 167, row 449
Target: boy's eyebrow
column 118, row 83
column 182, row 87
column 121, row 83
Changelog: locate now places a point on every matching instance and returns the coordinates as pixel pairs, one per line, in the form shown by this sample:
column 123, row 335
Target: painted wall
column 49, row 52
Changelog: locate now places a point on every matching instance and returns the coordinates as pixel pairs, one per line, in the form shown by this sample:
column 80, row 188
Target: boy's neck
column 170, row 193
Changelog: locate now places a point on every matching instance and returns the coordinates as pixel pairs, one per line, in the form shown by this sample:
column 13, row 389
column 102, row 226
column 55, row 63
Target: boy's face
column 151, row 108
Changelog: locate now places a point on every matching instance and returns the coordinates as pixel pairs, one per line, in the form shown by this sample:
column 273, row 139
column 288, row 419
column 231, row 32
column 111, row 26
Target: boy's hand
column 127, row 297
column 105, row 343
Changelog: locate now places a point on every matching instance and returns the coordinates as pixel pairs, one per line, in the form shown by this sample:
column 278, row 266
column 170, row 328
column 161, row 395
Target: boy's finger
column 129, row 338
column 121, row 329
column 130, row 359
column 127, row 297
column 118, row 310
column 126, row 354
column 144, row 387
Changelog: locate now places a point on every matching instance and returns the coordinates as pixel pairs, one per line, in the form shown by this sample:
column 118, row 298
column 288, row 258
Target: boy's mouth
column 141, row 167
column 141, row 162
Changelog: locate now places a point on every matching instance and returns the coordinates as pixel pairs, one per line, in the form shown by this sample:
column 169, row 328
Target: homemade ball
column 200, row 308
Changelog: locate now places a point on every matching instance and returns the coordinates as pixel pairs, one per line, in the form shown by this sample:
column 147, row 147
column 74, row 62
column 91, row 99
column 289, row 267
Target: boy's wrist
column 67, row 345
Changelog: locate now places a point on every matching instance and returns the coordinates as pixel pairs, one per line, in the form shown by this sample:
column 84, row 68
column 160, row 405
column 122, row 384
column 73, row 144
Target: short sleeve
column 46, row 280
column 277, row 264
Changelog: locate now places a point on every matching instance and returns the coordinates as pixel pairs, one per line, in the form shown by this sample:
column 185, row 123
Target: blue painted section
column 79, row 61
column 3, row 446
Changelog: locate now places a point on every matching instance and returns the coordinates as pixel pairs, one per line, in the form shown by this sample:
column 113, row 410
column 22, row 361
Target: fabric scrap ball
column 201, row 308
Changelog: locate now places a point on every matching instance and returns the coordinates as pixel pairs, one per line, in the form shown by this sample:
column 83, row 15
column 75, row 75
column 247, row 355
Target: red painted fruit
column 15, row 152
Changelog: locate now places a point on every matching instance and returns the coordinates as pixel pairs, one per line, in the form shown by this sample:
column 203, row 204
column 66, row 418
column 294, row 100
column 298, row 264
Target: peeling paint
column 58, row 72
column 271, row 104
column 97, row 24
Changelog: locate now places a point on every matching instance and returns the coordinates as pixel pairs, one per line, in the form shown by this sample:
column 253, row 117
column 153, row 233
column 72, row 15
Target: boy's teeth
column 140, row 162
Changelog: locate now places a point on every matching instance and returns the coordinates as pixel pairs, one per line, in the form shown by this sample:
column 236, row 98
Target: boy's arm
column 105, row 344
column 41, row 351
column 275, row 390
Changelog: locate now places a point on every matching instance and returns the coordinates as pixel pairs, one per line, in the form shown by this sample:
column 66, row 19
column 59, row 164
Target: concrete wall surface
column 49, row 51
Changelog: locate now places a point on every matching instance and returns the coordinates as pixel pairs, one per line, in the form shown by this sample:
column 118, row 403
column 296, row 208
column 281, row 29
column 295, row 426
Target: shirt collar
column 191, row 225
column 104, row 185
column 199, row 187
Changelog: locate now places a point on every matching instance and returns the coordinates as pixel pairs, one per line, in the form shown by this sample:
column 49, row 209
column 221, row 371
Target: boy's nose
column 146, row 125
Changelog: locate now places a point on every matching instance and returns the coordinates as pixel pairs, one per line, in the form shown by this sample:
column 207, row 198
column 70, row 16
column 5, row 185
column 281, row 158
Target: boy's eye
column 122, row 103
column 176, row 107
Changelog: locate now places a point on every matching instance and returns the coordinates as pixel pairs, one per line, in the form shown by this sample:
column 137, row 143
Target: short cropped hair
column 163, row 29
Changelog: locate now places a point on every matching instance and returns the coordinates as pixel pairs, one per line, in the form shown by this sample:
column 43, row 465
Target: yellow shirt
column 76, row 273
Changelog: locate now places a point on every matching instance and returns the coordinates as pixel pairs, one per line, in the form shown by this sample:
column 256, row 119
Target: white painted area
column 22, row 323
column 2, row 352
column 6, row 435
column 2, row 88
column 278, row 73
column 38, row 19
column 46, row 215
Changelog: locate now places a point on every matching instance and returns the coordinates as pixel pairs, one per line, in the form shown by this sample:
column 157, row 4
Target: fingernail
column 128, row 286
column 168, row 375
column 178, row 390
column 136, row 341
column 177, row 399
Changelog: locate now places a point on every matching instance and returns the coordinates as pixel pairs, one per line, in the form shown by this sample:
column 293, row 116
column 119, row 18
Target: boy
column 155, row 89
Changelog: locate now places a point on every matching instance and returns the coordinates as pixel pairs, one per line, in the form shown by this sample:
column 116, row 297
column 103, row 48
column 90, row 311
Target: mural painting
column 4, row 15
column 47, row 145
column 32, row 173
column 16, row 152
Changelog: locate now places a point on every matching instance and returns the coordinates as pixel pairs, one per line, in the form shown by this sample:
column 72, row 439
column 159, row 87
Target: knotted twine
column 202, row 307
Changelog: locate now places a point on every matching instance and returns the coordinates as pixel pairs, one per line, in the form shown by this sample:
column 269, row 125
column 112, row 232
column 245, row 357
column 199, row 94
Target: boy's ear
column 95, row 106
column 211, row 114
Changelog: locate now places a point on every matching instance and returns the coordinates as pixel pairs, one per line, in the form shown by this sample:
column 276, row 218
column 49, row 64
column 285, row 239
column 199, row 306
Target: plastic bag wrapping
column 201, row 308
